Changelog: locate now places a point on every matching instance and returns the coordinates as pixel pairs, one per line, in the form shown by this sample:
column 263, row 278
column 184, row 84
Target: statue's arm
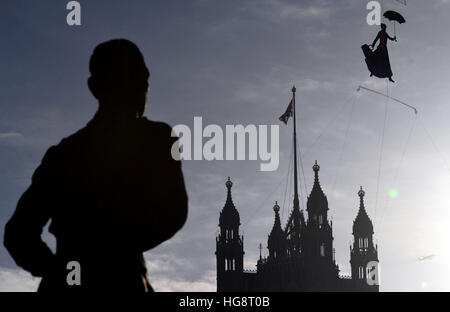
column 22, row 235
column 166, row 205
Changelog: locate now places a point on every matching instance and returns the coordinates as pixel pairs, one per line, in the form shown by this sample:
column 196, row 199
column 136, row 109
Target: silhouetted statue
column 378, row 61
column 111, row 190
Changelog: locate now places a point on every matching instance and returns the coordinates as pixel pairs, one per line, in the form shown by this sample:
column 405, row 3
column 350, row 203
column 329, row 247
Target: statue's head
column 119, row 76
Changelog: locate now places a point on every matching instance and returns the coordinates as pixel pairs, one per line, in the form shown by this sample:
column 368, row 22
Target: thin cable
column 434, row 145
column 330, row 123
column 344, row 145
column 289, row 187
column 287, row 181
column 304, row 179
column 262, row 204
column 394, row 181
column 380, row 159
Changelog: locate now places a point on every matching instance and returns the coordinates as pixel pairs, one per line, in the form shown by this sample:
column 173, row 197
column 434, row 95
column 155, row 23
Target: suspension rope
column 334, row 118
column 331, row 122
column 288, row 180
column 433, row 143
column 300, row 158
column 343, row 146
column 444, row 160
column 380, row 159
column 304, row 179
column 264, row 201
column 396, row 174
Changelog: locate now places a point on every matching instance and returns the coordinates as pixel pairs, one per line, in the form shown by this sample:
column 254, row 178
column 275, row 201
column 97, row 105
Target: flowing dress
column 378, row 61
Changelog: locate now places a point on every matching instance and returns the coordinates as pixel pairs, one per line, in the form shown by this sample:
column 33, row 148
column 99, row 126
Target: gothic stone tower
column 363, row 251
column 276, row 243
column 318, row 240
column 229, row 247
column 301, row 256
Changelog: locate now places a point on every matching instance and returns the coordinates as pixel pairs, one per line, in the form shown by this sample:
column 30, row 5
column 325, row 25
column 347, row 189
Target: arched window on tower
column 322, row 250
column 320, row 221
column 361, row 243
column 366, row 243
column 361, row 272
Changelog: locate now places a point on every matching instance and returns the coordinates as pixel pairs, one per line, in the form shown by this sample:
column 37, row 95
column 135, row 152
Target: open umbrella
column 395, row 17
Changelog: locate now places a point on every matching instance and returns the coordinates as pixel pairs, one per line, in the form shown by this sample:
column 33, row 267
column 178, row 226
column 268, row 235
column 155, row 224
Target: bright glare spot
column 393, row 193
column 424, row 284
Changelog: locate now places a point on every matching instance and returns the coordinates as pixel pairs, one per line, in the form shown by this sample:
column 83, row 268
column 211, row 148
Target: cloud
column 10, row 135
column 16, row 280
column 294, row 11
column 378, row 84
column 314, row 85
column 291, row 10
column 206, row 284
column 442, row 2
column 164, row 275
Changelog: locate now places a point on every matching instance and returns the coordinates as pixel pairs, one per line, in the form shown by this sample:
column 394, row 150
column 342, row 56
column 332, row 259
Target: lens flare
column 393, row 193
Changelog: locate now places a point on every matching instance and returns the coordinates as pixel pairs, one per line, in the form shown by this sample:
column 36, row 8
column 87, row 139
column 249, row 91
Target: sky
column 234, row 62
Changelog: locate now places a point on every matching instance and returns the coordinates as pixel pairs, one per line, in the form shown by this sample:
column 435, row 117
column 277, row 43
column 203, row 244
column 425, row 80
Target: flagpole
column 294, row 225
column 296, row 201
column 296, row 215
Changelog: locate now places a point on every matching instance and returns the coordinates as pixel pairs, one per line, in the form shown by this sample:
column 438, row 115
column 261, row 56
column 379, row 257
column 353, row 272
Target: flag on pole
column 289, row 111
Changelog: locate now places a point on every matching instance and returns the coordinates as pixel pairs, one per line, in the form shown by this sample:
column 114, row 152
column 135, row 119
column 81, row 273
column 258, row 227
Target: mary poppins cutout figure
column 378, row 60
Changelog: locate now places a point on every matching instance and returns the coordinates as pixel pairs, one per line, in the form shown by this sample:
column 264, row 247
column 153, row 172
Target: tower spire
column 363, row 253
column 317, row 203
column 276, row 208
column 229, row 185
column 277, row 240
column 362, row 223
column 361, row 194
column 229, row 216
column 316, row 169
column 229, row 245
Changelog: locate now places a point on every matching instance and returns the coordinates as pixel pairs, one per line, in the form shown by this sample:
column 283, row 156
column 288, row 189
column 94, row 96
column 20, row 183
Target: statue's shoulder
column 155, row 128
